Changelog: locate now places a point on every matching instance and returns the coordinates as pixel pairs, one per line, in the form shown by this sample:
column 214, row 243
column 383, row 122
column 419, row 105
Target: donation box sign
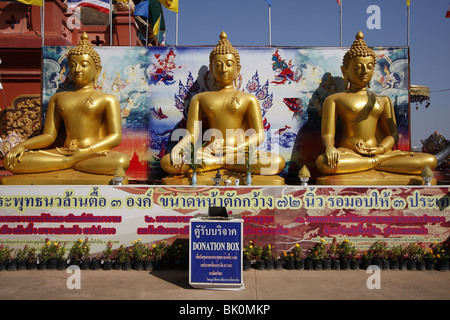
column 215, row 248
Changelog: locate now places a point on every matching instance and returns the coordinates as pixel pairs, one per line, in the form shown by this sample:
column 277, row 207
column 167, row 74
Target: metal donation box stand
column 215, row 250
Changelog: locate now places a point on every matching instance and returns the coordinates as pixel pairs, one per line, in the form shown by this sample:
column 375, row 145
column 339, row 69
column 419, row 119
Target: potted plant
column 178, row 254
column 395, row 253
column 5, row 258
column 21, row 256
column 415, row 253
column 160, row 250
column 268, row 257
column 256, row 257
column 123, row 256
column 442, row 253
column 76, row 253
column 106, row 256
column 120, row 256
column 378, row 252
column 85, row 254
column 299, row 262
column 149, row 256
column 429, row 257
column 288, row 258
column 246, row 255
column 346, row 253
column 331, row 259
column 44, row 255
column 137, row 254
column 31, row 258
column 316, row 253
column 61, row 262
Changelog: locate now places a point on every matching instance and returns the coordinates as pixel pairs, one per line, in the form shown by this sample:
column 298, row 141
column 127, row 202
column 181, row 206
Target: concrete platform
column 259, row 285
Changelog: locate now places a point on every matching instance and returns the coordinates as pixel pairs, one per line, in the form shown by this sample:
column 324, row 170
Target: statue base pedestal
column 205, row 178
column 63, row 177
column 372, row 178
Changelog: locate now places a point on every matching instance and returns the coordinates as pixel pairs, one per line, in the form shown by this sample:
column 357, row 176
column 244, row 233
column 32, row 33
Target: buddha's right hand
column 333, row 156
column 13, row 157
column 176, row 157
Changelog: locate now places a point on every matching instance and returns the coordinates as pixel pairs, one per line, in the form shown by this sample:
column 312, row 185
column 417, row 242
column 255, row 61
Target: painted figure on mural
column 91, row 119
column 235, row 121
column 369, row 128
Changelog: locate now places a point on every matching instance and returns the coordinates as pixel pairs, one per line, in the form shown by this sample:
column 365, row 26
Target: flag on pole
column 32, row 2
column 448, row 12
column 172, row 5
column 141, row 9
column 339, row 2
column 156, row 26
column 269, row 2
column 408, row 2
column 100, row 5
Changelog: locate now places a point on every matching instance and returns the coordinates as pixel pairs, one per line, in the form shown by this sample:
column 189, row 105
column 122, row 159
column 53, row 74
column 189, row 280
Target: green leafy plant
column 346, row 250
column 31, row 255
column 107, row 252
column 21, row 254
column 396, row 252
column 137, row 250
column 415, row 251
column 297, row 252
column 442, row 250
column 287, row 255
column 123, row 253
column 80, row 250
column 5, row 252
column 378, row 249
column 317, row 252
column 267, row 252
column 160, row 249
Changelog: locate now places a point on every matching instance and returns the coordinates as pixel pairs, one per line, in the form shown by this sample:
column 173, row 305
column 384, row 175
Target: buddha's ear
column 99, row 71
column 345, row 76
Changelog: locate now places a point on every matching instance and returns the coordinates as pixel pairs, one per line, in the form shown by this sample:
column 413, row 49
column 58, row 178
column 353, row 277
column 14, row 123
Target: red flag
column 339, row 2
column 448, row 12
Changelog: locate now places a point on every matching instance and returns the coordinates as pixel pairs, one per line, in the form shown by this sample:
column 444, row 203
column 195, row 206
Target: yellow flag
column 156, row 26
column 407, row 2
column 32, row 2
column 170, row 4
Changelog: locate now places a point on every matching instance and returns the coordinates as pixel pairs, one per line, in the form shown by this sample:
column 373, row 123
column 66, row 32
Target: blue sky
column 316, row 23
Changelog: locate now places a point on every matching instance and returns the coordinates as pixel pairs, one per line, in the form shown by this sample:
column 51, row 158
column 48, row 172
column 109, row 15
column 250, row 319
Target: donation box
column 215, row 253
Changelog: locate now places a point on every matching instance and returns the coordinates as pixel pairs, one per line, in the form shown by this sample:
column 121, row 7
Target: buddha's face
column 82, row 70
column 225, row 69
column 360, row 70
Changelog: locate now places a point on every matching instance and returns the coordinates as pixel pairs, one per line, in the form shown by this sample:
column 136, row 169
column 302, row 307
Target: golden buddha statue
column 235, row 121
column 92, row 123
column 369, row 129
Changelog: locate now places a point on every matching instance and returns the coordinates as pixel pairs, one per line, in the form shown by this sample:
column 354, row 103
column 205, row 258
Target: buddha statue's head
column 224, row 62
column 358, row 63
column 84, row 62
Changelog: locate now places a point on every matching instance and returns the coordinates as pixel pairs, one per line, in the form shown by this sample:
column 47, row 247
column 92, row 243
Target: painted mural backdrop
column 155, row 85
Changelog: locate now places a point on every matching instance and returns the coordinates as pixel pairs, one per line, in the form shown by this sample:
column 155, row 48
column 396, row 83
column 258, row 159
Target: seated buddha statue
column 91, row 120
column 369, row 128
column 235, row 125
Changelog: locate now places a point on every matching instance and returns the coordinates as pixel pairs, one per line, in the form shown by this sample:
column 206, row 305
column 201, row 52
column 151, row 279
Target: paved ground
column 259, row 285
